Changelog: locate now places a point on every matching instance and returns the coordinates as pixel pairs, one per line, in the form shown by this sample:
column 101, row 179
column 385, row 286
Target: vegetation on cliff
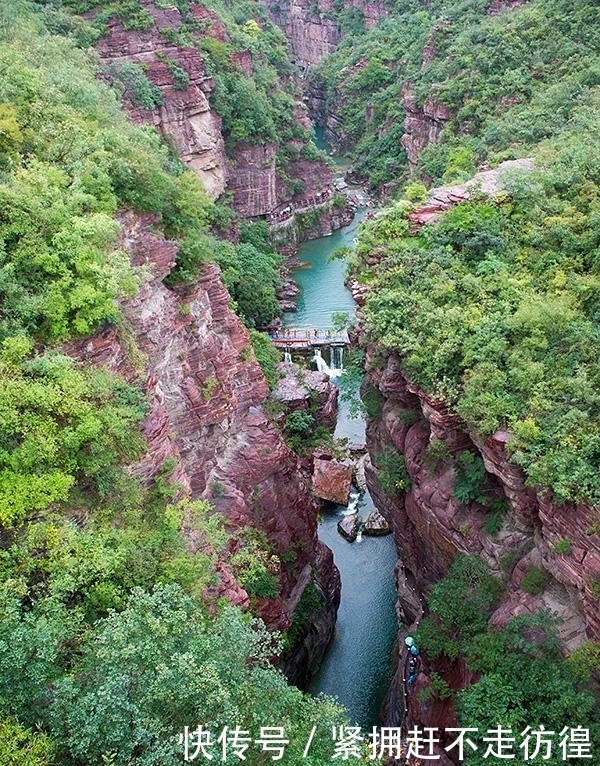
column 109, row 644
column 523, row 679
column 495, row 85
column 491, row 307
column 494, row 309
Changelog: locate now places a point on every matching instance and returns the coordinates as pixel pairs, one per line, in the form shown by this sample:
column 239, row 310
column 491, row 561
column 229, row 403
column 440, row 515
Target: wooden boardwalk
column 307, row 338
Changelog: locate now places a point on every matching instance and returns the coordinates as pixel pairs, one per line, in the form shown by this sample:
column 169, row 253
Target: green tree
column 161, row 664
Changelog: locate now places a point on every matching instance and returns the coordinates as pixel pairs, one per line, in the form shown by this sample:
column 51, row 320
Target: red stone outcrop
column 206, row 394
column 497, row 6
column 332, row 480
column 298, row 389
column 312, row 28
column 185, row 115
column 423, row 124
column 431, row 525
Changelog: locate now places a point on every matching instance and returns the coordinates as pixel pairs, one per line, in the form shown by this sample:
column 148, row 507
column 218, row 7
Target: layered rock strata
column 312, row 27
column 304, row 390
column 183, row 114
column 431, row 526
column 206, row 393
column 423, row 124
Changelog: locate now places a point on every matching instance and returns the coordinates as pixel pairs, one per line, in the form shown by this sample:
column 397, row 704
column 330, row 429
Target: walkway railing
column 308, row 337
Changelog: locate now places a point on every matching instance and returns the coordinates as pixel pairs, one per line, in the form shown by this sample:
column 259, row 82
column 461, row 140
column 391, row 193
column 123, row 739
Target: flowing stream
column 356, row 668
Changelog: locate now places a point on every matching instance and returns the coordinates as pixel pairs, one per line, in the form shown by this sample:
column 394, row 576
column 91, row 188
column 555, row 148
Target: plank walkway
column 306, row 338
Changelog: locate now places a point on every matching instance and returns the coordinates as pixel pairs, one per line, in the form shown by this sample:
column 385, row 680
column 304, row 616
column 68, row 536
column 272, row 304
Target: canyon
column 207, row 391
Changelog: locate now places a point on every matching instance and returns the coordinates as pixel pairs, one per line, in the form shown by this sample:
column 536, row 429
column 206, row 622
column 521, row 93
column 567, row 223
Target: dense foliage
column 523, row 681
column 509, row 80
column 495, row 307
column 110, row 642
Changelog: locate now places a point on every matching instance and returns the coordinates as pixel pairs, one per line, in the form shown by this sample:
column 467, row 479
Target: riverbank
column 357, row 666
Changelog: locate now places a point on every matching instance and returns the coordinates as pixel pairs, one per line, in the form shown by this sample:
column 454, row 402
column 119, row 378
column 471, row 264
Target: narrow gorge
column 168, row 586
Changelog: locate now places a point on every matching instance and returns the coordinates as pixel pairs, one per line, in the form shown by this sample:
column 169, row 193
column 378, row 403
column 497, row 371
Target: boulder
column 348, row 527
column 376, row 525
column 331, row 480
column 299, row 389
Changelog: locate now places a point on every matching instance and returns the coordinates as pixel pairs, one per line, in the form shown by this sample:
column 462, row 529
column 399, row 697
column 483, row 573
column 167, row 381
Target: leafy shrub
column 563, row 547
column 436, row 454
column 585, row 660
column 266, row 355
column 255, row 565
column 391, row 471
column 494, row 519
column 300, row 422
column 470, row 473
column 437, row 687
column 534, row 581
column 372, row 401
column 23, row 747
column 435, row 641
column 302, row 618
column 61, row 427
column 181, row 79
column 134, row 84
column 464, row 599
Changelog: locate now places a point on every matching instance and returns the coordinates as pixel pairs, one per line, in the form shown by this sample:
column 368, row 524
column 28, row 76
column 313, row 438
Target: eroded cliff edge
column 533, row 537
column 194, row 360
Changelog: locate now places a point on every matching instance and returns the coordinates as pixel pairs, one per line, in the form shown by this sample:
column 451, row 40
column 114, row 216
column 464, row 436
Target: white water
column 322, row 365
column 336, row 357
column 287, row 357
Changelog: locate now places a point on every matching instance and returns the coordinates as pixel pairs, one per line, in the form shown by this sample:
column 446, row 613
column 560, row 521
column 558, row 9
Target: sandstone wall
column 251, row 172
column 207, row 391
column 431, row 526
column 185, row 117
column 313, row 27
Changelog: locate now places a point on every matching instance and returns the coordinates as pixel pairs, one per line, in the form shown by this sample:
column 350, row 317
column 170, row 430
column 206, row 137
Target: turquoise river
column 357, row 666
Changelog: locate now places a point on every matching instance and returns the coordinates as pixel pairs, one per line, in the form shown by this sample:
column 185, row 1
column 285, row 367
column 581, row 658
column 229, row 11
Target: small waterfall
column 336, row 354
column 322, row 365
column 287, row 357
column 352, row 502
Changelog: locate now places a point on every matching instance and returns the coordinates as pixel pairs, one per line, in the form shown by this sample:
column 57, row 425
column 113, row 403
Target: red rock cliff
column 186, row 118
column 431, row 525
column 312, row 27
column 207, row 392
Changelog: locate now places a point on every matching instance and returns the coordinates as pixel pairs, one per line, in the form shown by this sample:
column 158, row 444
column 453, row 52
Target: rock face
column 312, row 27
column 348, row 527
column 206, row 392
column 376, row 525
column 259, row 186
column 301, row 389
column 423, row 123
column 312, row 33
column 185, row 115
column 331, row 480
column 442, row 198
column 431, row 526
